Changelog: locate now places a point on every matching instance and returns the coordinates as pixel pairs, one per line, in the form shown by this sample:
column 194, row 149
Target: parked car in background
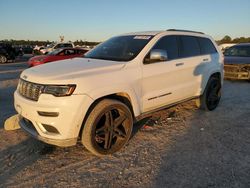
column 58, row 54
column 37, row 50
column 7, row 52
column 237, row 62
column 27, row 49
column 38, row 47
column 223, row 47
column 52, row 47
column 98, row 98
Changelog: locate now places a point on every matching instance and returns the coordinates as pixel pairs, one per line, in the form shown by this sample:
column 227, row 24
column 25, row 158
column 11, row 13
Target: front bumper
column 60, row 130
column 30, row 128
column 237, row 72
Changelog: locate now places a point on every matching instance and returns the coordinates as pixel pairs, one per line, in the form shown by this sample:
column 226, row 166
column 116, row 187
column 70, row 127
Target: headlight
column 59, row 91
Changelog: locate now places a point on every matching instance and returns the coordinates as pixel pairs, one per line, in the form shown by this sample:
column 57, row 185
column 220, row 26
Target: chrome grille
column 29, row 90
column 231, row 68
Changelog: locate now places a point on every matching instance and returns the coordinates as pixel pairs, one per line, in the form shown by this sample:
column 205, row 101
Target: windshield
column 50, row 46
column 55, row 52
column 240, row 51
column 121, row 48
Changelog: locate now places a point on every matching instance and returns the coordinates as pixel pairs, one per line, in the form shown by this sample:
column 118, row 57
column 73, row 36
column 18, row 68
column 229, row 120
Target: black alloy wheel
column 108, row 127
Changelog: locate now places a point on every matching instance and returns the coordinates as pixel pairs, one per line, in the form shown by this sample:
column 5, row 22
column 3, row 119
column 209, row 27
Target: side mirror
column 156, row 55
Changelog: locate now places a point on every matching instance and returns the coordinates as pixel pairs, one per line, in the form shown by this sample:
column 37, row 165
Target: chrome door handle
column 179, row 64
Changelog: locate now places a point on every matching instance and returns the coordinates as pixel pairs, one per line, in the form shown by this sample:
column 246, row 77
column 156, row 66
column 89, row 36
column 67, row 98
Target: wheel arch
column 216, row 74
column 123, row 97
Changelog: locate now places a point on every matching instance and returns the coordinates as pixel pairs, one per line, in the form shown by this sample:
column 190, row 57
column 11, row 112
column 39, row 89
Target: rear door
column 210, row 58
column 191, row 66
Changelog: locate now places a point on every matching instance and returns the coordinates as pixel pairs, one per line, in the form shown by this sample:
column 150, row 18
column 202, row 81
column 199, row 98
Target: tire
column 210, row 98
column 3, row 59
column 107, row 128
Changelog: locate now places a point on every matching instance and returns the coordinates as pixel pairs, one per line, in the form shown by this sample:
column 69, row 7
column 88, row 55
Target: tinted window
column 66, row 45
column 69, row 52
column 63, row 45
column 206, row 46
column 189, row 46
column 240, row 51
column 168, row 43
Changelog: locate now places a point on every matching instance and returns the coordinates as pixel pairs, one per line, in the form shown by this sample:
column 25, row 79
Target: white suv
column 96, row 99
column 52, row 47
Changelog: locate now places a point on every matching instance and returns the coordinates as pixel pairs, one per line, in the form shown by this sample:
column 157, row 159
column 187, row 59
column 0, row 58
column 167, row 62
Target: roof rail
column 180, row 30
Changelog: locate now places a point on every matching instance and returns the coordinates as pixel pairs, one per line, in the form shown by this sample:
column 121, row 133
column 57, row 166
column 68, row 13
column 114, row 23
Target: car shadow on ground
column 16, row 158
column 6, row 98
column 214, row 149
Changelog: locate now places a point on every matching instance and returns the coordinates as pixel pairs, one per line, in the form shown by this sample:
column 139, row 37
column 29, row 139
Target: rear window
column 189, row 46
column 63, row 45
column 206, row 46
column 67, row 45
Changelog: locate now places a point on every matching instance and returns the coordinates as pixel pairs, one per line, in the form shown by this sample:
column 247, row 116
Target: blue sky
column 97, row 20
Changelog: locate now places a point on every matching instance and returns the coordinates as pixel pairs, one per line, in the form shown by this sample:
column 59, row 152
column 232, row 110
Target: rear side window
column 168, row 43
column 206, row 46
column 69, row 52
column 189, row 46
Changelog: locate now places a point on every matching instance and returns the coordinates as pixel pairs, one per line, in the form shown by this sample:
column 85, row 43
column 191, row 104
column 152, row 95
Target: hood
column 65, row 71
column 38, row 57
column 236, row 60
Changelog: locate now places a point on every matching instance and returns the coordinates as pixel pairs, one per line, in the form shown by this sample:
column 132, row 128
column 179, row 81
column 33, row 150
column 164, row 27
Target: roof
column 243, row 44
column 153, row 33
column 144, row 33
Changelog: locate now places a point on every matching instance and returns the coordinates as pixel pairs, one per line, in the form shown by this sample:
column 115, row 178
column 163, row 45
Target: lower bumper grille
column 237, row 71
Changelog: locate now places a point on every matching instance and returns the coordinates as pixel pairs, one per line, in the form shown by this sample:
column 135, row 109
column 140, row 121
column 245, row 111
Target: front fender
column 115, row 89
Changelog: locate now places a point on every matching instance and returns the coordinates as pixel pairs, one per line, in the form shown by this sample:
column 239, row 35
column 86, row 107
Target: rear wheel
column 107, row 128
column 210, row 98
column 3, row 59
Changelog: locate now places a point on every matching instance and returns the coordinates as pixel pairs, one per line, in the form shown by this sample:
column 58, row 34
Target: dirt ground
column 178, row 147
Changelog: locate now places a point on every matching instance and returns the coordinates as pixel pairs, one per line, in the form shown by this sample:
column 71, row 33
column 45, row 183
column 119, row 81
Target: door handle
column 205, row 59
column 179, row 64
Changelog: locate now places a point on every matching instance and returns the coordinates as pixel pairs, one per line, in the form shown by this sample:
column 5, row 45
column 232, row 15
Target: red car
column 58, row 54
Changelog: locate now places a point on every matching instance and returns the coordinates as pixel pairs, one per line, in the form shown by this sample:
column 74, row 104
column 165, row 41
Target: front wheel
column 3, row 59
column 107, row 128
column 210, row 98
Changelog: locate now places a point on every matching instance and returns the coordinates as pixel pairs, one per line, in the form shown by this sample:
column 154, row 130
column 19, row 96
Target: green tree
column 226, row 39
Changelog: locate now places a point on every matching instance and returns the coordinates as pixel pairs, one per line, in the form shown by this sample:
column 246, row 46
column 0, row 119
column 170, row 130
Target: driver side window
column 169, row 44
column 166, row 44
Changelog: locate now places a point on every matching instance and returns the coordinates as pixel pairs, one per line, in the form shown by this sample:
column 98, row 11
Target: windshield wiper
column 106, row 58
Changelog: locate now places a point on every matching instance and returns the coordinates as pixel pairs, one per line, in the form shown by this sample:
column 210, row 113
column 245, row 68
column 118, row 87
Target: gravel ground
column 178, row 147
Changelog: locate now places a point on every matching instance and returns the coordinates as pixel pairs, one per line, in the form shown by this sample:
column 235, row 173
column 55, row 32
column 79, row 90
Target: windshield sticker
column 143, row 37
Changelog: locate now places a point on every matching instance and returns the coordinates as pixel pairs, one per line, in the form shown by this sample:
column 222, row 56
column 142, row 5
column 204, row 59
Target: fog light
column 50, row 129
